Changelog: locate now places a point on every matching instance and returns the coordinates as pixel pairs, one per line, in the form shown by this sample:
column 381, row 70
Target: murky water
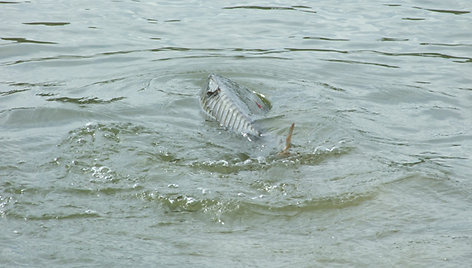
column 107, row 159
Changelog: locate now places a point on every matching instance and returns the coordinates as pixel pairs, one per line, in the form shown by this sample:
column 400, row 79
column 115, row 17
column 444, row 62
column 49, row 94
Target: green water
column 107, row 159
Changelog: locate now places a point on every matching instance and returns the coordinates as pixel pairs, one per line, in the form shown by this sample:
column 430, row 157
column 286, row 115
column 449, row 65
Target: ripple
column 455, row 12
column 326, row 39
column 11, row 92
column 241, row 207
column 85, row 100
column 423, row 54
column 46, row 23
column 99, row 151
column 409, row 54
column 291, row 8
column 363, row 63
column 179, row 203
column 35, row 85
column 41, row 116
column 105, row 190
column 5, row 202
column 413, row 19
column 24, row 40
column 243, row 162
column 69, row 216
column 339, row 201
column 392, row 39
column 316, row 50
column 446, row 44
column 205, row 53
column 110, row 132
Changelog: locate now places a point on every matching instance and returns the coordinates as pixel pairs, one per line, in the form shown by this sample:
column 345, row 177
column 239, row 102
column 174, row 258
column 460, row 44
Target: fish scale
column 234, row 106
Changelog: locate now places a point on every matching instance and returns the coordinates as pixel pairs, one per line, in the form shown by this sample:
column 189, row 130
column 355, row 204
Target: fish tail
column 288, row 141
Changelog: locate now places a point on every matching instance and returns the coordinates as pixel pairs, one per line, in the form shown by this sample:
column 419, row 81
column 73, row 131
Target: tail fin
column 288, row 141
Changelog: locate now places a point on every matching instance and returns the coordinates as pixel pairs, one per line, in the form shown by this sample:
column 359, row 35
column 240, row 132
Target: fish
column 232, row 105
column 236, row 107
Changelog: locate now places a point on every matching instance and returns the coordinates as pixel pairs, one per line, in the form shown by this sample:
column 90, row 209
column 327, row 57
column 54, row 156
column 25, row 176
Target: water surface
column 108, row 160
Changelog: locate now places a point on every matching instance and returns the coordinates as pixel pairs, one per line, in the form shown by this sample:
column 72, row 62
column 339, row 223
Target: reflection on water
column 104, row 141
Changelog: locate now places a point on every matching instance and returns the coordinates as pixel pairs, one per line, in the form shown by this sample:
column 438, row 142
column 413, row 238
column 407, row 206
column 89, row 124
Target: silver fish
column 234, row 106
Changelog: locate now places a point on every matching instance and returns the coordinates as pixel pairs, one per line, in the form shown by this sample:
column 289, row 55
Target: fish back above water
column 234, row 106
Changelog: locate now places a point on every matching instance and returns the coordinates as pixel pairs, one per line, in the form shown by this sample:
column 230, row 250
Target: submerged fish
column 236, row 107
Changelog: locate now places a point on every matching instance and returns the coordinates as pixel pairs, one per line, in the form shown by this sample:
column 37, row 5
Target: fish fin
column 288, row 141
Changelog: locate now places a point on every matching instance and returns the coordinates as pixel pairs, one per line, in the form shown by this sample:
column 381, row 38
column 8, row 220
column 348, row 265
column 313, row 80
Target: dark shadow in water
column 293, row 8
column 414, row 54
column 10, row 92
column 45, row 23
column 446, row 45
column 413, row 18
column 455, row 12
column 325, row 38
column 23, row 86
column 43, row 84
column 366, row 63
column 392, row 39
column 24, row 40
column 85, row 100
column 222, row 57
column 420, row 54
column 316, row 50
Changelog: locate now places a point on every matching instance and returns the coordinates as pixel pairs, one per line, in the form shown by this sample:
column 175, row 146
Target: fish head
column 212, row 84
column 246, row 100
column 210, row 89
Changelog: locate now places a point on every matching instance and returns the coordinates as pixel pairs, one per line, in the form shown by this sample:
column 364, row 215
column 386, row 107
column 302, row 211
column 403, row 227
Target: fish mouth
column 211, row 88
column 212, row 85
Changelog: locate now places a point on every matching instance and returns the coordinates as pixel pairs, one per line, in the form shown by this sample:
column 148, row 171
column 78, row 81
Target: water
column 107, row 159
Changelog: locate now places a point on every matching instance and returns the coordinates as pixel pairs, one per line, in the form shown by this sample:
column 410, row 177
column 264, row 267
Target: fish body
column 233, row 106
